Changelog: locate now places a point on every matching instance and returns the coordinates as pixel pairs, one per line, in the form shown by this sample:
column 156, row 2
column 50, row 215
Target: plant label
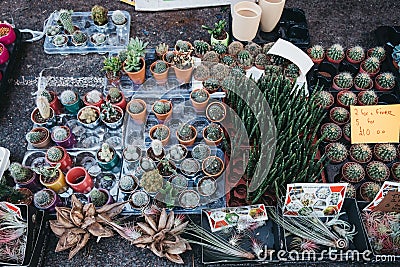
column 391, row 202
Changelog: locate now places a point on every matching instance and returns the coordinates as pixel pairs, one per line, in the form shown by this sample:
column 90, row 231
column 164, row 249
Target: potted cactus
column 346, row 98
column 200, row 152
column 260, row 61
column 218, row 33
column 93, row 98
column 52, row 177
column 362, row 82
column 166, row 167
column 331, row 132
column 253, row 48
column 210, row 58
column 335, row 53
column 106, row 180
column 113, row 66
column 220, row 49
column 60, row 40
column 161, row 49
column 65, row 18
column 350, row 191
column 216, row 112
column 53, row 100
column 245, row 59
column 116, row 97
column 89, row 116
column 152, row 181
column 368, row 190
column 235, row 47
column 188, row 199
column 162, row 109
column 371, row 66
column 378, row 52
column 201, row 72
column 183, row 66
column 213, row 134
column 128, row 184
column 160, row 132
column 177, row 153
column 111, row 115
column 385, row 152
column 189, row 167
column 58, row 154
column 385, row 81
column 292, row 72
column 139, row 200
column 135, row 65
column 339, row 115
column 156, row 151
column 211, row 85
column 159, row 70
column 168, row 57
column 79, row 180
column 213, row 166
column 99, row 15
column 186, row 134
column 132, row 154
column 24, row 177
column 377, row 171
column 396, row 171
column 71, row 101
column 336, row 152
column 38, row 137
column 342, row 81
column 324, row 99
column 347, row 131
column 118, row 18
column 62, row 136
column 179, row 182
column 98, row 38
column 200, row 48
column 183, row 46
column 100, row 197
column 199, row 98
column 147, row 164
column 366, row 98
column 79, row 38
column 353, row 172
column 137, row 110
column 46, row 199
column 206, row 186
column 355, row 54
column 316, row 53
column 107, row 157
column 230, row 61
column 43, row 114
column 361, row 153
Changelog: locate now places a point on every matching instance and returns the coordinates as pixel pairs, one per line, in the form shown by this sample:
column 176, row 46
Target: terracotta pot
column 199, row 107
column 52, row 206
column 121, row 103
column 152, row 129
column 189, row 142
column 202, row 180
column 316, row 61
column 59, row 185
column 110, row 199
column 379, row 87
column 68, row 142
column 28, row 196
column 245, row 20
column 364, row 197
column 97, row 104
column 161, row 78
column 139, row 118
column 66, row 161
column 333, row 60
column 215, row 103
column 163, row 117
column 271, row 13
column 183, row 76
column 137, row 77
column 47, row 123
column 79, row 180
column 336, row 87
column 351, row 60
column 46, row 140
column 210, row 142
column 359, row 96
column 364, row 89
column 114, row 80
column 203, row 166
column 10, row 37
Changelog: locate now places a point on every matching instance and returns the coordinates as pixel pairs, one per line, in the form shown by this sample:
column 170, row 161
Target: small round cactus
column 161, row 133
column 228, row 60
column 132, row 153
column 324, row 99
column 60, row 133
column 361, row 153
column 347, row 98
column 362, row 81
column 339, row 115
column 235, row 47
column 385, row 81
column 35, row 137
column 93, row 97
column 88, row 115
column 350, row 191
column 60, row 40
column 55, row 154
column 335, row 52
column 68, row 97
column 182, row 45
column 20, row 173
column 253, row 48
column 98, row 197
column 118, row 17
column 99, row 15
column 336, row 152
column 331, row 131
column 115, row 95
column 219, row 71
column 245, row 58
column 79, row 37
column 219, row 48
column 370, row 65
column 135, row 107
column 377, row 171
column 160, row 67
column 396, row 171
column 43, row 198
column 201, row 47
column 369, row 190
column 201, row 72
column 367, row 98
column 157, row 147
column 385, row 152
column 98, row 38
column 356, row 54
column 211, row 85
column 316, row 52
column 378, row 52
column 353, row 172
column 200, row 95
column 185, row 132
column 347, row 131
column 210, row 57
column 106, row 153
column 127, row 183
column 161, row 107
column 151, row 181
column 161, row 49
column 261, row 60
column 292, row 71
column 343, row 80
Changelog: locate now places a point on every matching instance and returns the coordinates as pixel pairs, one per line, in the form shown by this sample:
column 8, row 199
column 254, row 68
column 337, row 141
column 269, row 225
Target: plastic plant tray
column 117, row 37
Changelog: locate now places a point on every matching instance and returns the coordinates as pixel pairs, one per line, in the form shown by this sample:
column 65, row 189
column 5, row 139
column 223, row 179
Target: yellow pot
column 59, row 185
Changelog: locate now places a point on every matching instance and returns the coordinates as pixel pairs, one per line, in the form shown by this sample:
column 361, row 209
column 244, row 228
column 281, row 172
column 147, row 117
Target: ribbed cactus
column 118, row 17
column 347, row 98
column 185, row 132
column 127, row 183
column 317, row 52
column 219, row 71
column 361, row 153
column 79, row 37
column 396, row 171
column 162, row 48
column 35, row 137
column 210, row 56
column 55, row 154
column 261, row 60
column 350, row 191
column 88, row 115
column 356, row 53
column 161, row 133
column 161, row 107
column 93, row 96
column 43, row 107
column 160, row 67
column 331, row 131
column 368, row 97
column 377, row 171
column 292, row 71
column 211, row 84
column 267, row 46
column 385, row 152
column 219, row 48
column 60, row 133
column 65, row 18
column 45, row 93
column 98, row 198
column 43, row 198
column 370, row 190
column 253, row 48
column 201, row 72
column 343, row 80
column 353, row 172
column 245, row 58
column 115, row 95
column 157, row 147
column 99, row 15
column 362, row 80
column 182, row 45
column 201, row 47
column 324, row 99
column 336, row 152
column 135, row 107
column 106, row 153
column 347, row 130
column 371, row 65
column 200, row 95
column 386, row 80
column 378, row 52
column 68, row 97
column 235, row 47
column 339, row 115
column 213, row 132
column 335, row 52
column 228, row 60
column 19, row 172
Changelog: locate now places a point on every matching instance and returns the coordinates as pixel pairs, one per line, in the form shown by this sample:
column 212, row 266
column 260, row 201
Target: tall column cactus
column 43, row 106
column 66, row 20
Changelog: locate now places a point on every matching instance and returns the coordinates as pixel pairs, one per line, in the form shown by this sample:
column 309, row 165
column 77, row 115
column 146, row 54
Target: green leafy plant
column 361, row 153
column 218, row 31
column 20, row 173
column 112, row 65
column 377, row 171
column 49, row 174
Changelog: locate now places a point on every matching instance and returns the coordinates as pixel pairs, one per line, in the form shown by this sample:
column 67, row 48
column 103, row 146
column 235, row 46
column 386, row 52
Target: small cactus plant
column 161, row 133
column 347, row 131
column 98, row 38
column 20, row 173
column 219, row 71
column 135, row 107
column 43, row 106
column 385, row 81
column 213, row 132
column 235, row 47
column 118, row 17
column 215, row 112
column 93, row 97
column 99, row 15
column 48, row 174
column 353, row 172
column 210, row 57
column 378, row 52
column 160, row 67
column 343, row 80
column 68, row 97
column 316, row 52
column 161, row 49
column 367, row 98
column 335, row 52
column 200, row 95
column 60, row 40
column 79, row 38
column 157, row 147
column 361, row 153
column 201, row 72
column 43, row 198
column 201, row 152
column 53, row 30
column 347, row 98
column 115, row 95
column 385, row 152
column 106, row 153
column 127, row 183
column 177, row 152
column 88, row 115
column 219, row 48
column 65, row 18
column 331, row 132
column 350, row 191
column 377, row 171
column 211, row 85
column 228, row 60
column 132, row 153
column 267, row 46
column 110, row 113
column 152, row 181
column 253, row 48
column 182, row 45
column 245, row 58
column 162, row 107
column 60, row 133
column 369, row 190
column 324, row 99
column 292, row 71
column 356, row 53
column 45, row 93
column 336, row 152
column 261, row 60
column 362, row 81
column 98, row 197
column 185, row 132
column 370, row 65
column 396, row 171
column 339, row 115
column 169, row 56
column 201, row 47
column 54, row 154
column 35, row 137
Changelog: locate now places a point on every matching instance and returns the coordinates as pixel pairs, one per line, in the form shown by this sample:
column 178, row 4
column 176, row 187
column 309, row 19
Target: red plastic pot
column 55, row 104
column 4, row 55
column 66, row 161
column 10, row 37
column 121, row 103
column 79, row 180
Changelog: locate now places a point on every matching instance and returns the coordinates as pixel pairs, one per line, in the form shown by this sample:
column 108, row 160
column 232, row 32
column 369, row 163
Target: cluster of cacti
column 99, row 15
column 339, row 115
column 65, row 18
column 60, row 40
column 161, row 133
column 347, row 130
column 109, row 113
column 253, row 48
column 347, row 98
column 118, row 17
column 215, row 112
column 201, row 72
column 201, row 47
column 88, row 115
column 378, row 52
column 106, row 153
column 331, row 132
column 211, row 84
column 20, row 173
column 157, row 147
column 201, row 151
column 324, row 99
column 385, row 152
column 182, row 45
column 127, row 183
column 368, row 97
column 160, row 67
column 212, row 165
column 213, row 132
column 60, row 133
column 151, row 181
column 93, row 97
column 132, row 153
column 343, row 80
column 317, row 52
column 370, row 190
column 362, row 80
column 98, row 197
column 371, row 65
column 43, row 198
column 183, row 60
column 185, row 132
column 43, row 106
column 361, row 153
column 377, row 171
column 219, row 48
column 200, row 95
column 261, row 60
column 135, row 107
column 162, row 107
column 35, row 137
column 115, row 95
column 235, row 47
column 335, row 52
column 292, row 71
column 54, row 154
column 245, row 58
column 68, row 97
column 219, row 71
column 79, row 37
column 177, row 152
column 356, row 53
column 336, row 152
column 353, row 172
column 45, row 93
column 386, row 80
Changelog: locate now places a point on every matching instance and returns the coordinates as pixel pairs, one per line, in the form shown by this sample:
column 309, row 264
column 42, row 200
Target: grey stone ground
column 348, row 22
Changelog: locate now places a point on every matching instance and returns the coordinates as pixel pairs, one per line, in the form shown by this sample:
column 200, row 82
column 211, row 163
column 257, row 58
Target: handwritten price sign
column 375, row 124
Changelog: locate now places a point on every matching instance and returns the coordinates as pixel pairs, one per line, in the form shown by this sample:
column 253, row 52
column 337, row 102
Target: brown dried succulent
column 75, row 225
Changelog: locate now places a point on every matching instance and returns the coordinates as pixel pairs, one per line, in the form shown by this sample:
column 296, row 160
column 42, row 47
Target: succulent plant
column 201, row 47
column 370, row 190
column 261, row 60
column 353, row 172
column 331, row 131
column 147, row 164
column 219, row 71
column 339, row 115
column 347, row 130
column 133, row 62
column 132, row 153
column 137, row 47
column 213, row 132
column 377, row 171
column 177, row 152
column 210, row 57
column 235, row 47
column 160, row 67
column 161, row 133
column 60, row 133
column 183, row 60
column 98, row 197
column 35, row 137
column 324, row 99
column 99, row 15
column 211, row 84
column 347, row 98
column 53, row 30
column 43, row 198
column 118, row 17
column 200, row 95
column 60, row 40
column 20, row 173
column 292, row 71
column 228, row 60
column 273, row 70
column 140, row 199
column 169, row 56
column 335, row 52
column 215, row 112
column 135, row 106
column 386, row 80
column 98, row 38
column 201, row 151
column 79, row 37
column 162, row 48
column 93, row 97
column 112, row 65
column 55, row 154
column 253, row 48
column 378, row 52
column 267, row 46
column 127, row 183
column 361, row 153
column 151, row 181
column 362, row 80
column 336, row 152
column 179, row 181
column 317, row 52
column 356, row 53
column 48, row 174
column 201, row 72
column 396, row 171
column 65, row 18
column 350, row 191
column 157, row 147
column 183, row 46
column 385, row 152
column 219, row 48
column 106, row 153
column 88, row 115
column 110, row 113
column 162, row 107
column 68, row 97
column 370, row 65
column 245, row 58
column 343, row 80
column 43, row 107
column 189, row 166
column 218, row 31
column 368, row 97
column 185, row 132
column 212, row 165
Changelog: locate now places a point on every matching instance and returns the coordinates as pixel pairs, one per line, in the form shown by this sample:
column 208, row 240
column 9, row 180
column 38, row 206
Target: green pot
column 75, row 107
column 224, row 42
column 108, row 165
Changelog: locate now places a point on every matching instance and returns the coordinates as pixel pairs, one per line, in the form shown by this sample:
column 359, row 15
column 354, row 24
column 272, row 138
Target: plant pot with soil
column 112, row 67
column 71, row 101
column 335, row 53
column 200, row 48
column 53, row 100
column 177, row 153
column 183, row 46
column 166, row 168
column 146, row 164
column 189, row 167
column 179, row 182
column 353, row 172
column 132, row 155
column 161, row 49
column 368, row 191
column 100, row 197
column 62, row 136
column 128, row 183
column 385, row 152
column 216, row 112
column 60, row 40
column 186, row 134
column 346, row 130
column 217, row 33
column 24, row 177
column 316, row 53
column 93, row 98
column 79, row 38
column 38, row 137
column 183, row 66
column 106, row 180
column 159, row 70
column 112, row 116
column 189, row 199
column 342, row 81
column 213, row 166
column 260, row 61
column 98, row 39
column 89, row 117
column 52, row 177
column 139, row 200
column 199, row 99
column 339, row 115
column 58, row 154
column 46, row 199
column 206, row 186
column 361, row 153
column 211, row 85
column 346, row 98
column 362, row 82
column 331, row 132
column 385, row 81
column 156, row 151
column 213, row 134
column 107, row 157
column 324, row 99
column 378, row 52
column 160, row 132
column 43, row 115
column 377, row 171
column 137, row 109
column 79, row 180
column 366, row 98
column 7, row 34
column 371, row 66
column 355, row 54
column 162, row 109
column 396, row 171
column 119, row 18
column 116, row 97
column 336, row 152
column 135, row 65
column 152, row 181
column 200, row 152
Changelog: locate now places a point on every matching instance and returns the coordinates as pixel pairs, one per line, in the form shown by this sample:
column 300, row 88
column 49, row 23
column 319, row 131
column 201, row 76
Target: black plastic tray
column 385, row 35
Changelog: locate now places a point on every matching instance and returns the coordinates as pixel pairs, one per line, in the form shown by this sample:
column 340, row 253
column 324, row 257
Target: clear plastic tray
column 117, row 37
